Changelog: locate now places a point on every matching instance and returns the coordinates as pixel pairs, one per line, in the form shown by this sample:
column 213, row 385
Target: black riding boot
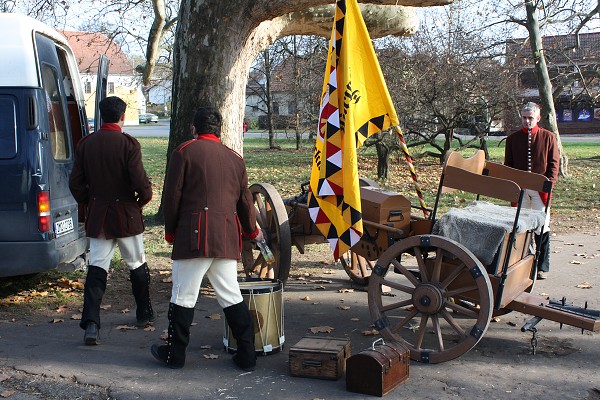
column 542, row 243
column 173, row 353
column 240, row 321
column 140, row 286
column 95, row 285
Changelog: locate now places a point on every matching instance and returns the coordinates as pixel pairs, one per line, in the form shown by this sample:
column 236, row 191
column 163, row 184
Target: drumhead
column 259, row 286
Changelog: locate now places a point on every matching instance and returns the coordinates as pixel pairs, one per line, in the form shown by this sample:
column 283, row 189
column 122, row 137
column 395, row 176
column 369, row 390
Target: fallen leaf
column 214, row 316
column 62, row 309
column 584, row 285
column 167, row 280
column 511, row 324
column 321, row 287
column 76, row 317
column 7, row 393
column 126, row 328
column 164, row 335
column 328, row 271
column 496, row 319
column 321, row 281
column 149, row 328
column 211, row 356
column 316, row 303
column 343, row 308
column 345, row 290
column 164, row 272
column 321, row 329
column 56, row 320
column 3, row 377
column 370, row 332
column 305, row 298
column 575, row 262
column 105, row 306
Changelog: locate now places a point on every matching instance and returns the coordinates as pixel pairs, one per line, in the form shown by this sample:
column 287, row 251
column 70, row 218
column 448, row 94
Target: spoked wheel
column 272, row 218
column 357, row 267
column 440, row 302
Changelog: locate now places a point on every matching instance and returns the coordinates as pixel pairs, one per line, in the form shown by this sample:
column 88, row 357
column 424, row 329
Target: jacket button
column 205, row 208
column 195, row 230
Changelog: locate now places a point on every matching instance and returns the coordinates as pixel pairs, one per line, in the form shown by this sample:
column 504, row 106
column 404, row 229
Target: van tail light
column 43, row 211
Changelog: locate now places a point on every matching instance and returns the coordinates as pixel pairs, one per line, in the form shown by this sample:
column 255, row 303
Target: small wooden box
column 319, row 357
column 387, row 208
column 378, row 370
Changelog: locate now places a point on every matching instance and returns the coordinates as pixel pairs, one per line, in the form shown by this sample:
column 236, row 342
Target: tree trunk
column 543, row 80
column 383, row 162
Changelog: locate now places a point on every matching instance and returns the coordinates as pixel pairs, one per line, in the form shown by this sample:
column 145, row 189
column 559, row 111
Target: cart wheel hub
column 428, row 299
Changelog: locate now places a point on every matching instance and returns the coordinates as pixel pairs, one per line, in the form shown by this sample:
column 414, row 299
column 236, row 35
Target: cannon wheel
column 272, row 218
column 356, row 266
column 424, row 308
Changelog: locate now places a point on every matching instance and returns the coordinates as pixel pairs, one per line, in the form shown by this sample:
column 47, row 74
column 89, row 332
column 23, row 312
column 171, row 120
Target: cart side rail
column 526, row 180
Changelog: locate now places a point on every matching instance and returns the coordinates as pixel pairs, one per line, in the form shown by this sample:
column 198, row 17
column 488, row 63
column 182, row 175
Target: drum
column 265, row 302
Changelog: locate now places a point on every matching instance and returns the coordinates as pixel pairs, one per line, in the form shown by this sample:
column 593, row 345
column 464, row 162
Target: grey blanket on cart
column 481, row 226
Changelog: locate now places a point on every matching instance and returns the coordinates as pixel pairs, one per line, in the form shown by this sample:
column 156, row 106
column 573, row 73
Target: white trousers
column 532, row 200
column 131, row 248
column 187, row 279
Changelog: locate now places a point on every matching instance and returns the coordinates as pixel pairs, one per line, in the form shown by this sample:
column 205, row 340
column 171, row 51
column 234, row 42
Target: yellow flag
column 355, row 104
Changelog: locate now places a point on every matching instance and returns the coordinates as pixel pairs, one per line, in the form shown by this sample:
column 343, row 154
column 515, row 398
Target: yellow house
column 123, row 80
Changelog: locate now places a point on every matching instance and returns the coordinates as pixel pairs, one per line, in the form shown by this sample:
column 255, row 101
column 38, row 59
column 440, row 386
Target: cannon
column 433, row 283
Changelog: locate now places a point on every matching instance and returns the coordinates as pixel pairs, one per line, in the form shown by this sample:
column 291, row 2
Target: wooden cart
column 427, row 290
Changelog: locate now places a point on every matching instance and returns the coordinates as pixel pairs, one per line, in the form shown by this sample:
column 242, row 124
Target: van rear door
column 62, row 124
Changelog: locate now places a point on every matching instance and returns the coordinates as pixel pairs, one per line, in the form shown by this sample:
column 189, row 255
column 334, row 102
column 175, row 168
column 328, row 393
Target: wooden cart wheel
column 272, row 217
column 427, row 281
column 356, row 266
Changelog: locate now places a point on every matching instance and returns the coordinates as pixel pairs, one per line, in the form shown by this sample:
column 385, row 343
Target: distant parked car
column 147, row 118
column 90, row 124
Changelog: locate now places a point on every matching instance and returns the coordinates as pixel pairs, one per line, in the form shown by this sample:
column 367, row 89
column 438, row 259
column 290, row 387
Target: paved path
column 499, row 367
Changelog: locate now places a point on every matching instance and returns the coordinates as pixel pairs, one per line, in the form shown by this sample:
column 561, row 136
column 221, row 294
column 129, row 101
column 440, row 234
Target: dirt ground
column 501, row 365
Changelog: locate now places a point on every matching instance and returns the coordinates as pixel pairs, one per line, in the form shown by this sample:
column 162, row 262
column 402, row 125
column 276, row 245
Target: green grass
column 576, row 197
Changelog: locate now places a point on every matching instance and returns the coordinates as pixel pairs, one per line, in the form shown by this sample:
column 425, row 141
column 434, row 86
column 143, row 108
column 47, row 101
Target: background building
column 123, row 80
column 574, row 68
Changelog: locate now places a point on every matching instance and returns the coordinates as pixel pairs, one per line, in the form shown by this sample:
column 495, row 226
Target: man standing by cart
column 109, row 178
column 534, row 149
column 207, row 206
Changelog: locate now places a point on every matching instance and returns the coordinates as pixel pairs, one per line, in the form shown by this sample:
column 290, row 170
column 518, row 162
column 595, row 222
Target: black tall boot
column 95, row 285
column 240, row 321
column 140, row 286
column 542, row 243
column 173, row 353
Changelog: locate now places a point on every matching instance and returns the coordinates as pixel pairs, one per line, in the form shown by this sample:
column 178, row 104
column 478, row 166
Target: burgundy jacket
column 109, row 178
column 544, row 152
column 206, row 201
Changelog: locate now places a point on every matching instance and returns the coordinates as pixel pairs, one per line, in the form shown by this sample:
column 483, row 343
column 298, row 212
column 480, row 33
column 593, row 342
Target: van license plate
column 64, row 226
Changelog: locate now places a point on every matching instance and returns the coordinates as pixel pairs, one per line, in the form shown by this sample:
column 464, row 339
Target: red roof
column 89, row 46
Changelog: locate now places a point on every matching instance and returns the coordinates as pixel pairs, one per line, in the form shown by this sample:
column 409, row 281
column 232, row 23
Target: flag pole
column 411, row 167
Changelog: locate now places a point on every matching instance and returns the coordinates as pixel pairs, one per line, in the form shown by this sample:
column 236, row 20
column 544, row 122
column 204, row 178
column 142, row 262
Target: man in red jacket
column 108, row 177
column 534, row 149
column 207, row 207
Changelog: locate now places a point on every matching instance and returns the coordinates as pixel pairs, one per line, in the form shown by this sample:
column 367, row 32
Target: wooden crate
column 387, row 208
column 319, row 357
column 378, row 370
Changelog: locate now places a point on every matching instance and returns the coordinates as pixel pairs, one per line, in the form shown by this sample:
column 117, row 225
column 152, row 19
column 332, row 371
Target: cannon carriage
column 431, row 285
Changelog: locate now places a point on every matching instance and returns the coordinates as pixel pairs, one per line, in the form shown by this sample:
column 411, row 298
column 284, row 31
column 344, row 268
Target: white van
column 42, row 118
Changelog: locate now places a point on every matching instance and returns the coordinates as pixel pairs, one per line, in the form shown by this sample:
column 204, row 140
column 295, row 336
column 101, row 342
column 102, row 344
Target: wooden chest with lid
column 319, row 357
